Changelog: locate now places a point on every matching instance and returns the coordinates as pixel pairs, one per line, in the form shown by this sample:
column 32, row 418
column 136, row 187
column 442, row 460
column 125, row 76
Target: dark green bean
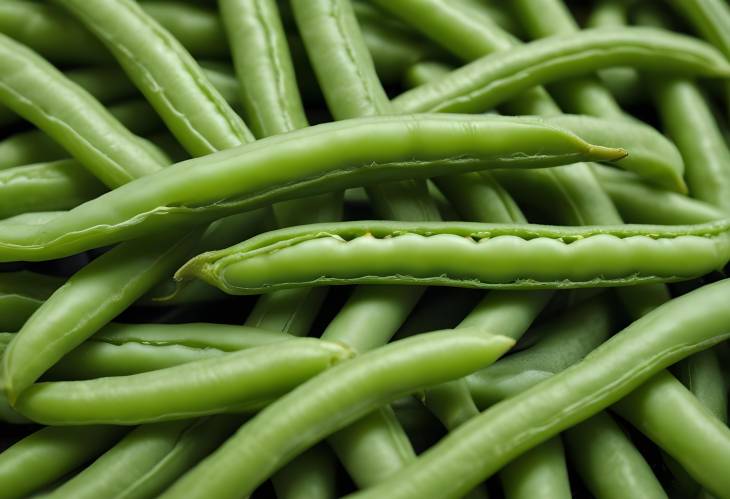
column 484, row 444
column 252, row 377
column 50, row 453
column 148, row 459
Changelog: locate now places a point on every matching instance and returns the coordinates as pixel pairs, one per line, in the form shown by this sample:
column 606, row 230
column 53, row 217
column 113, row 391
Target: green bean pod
column 50, row 453
column 318, row 159
column 51, row 186
column 642, row 203
column 21, row 293
column 148, row 459
column 651, row 155
column 539, row 473
column 252, row 377
column 165, row 73
column 87, row 301
column 481, row 446
column 491, row 80
column 331, row 401
column 124, row 349
column 71, row 116
column 464, row 255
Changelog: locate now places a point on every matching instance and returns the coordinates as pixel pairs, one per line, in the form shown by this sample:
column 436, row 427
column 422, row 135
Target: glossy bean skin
column 331, row 401
column 664, row 336
column 540, row 472
column 165, row 73
column 51, row 453
column 148, row 459
column 318, row 159
column 254, row 377
column 51, row 186
column 124, row 349
column 651, row 155
column 490, row 256
column 597, row 447
column 71, row 116
column 21, row 293
column 643, row 203
column 109, row 285
column 702, row 375
column 485, row 83
column 705, row 463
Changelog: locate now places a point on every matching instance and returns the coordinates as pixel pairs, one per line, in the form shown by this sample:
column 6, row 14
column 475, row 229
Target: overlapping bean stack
column 372, row 248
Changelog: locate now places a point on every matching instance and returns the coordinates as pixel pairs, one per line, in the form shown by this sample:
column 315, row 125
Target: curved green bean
column 165, row 73
column 252, row 377
column 710, row 17
column 331, row 401
column 21, row 293
column 88, row 300
column 148, row 459
column 71, row 116
column 639, row 202
column 317, row 159
column 691, row 422
column 311, row 475
column 57, row 185
column 489, row 81
column 540, row 472
column 50, row 453
column 124, row 349
column 464, row 255
column 651, row 155
column 608, row 462
column 484, row 444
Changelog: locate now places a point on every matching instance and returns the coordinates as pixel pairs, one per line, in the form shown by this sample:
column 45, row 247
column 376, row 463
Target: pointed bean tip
column 602, row 153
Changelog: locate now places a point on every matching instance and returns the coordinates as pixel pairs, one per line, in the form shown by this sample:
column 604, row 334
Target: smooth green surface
column 252, row 377
column 464, row 255
column 332, row 400
column 483, row 445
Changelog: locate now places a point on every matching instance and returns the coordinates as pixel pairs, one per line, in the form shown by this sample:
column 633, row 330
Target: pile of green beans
column 373, row 248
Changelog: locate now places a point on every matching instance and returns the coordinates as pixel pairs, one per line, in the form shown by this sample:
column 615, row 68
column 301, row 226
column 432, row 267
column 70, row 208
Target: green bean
column 690, row 422
column 478, row 197
column 688, row 120
column 21, row 293
column 50, row 453
column 421, row 73
column 252, row 377
column 607, row 461
column 493, row 79
column 651, row 155
column 165, row 73
column 308, row 476
column 702, row 375
column 108, row 285
column 545, row 18
column 561, row 343
column 265, row 72
column 268, row 86
column 318, row 159
column 357, row 444
column 51, row 186
column 639, row 202
column 50, row 33
column 710, row 17
column 541, row 470
column 464, row 255
column 332, row 400
column 330, row 31
column 623, row 83
column 481, row 446
column 123, row 349
column 196, row 27
column 148, row 459
column 61, row 39
column 71, row 116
